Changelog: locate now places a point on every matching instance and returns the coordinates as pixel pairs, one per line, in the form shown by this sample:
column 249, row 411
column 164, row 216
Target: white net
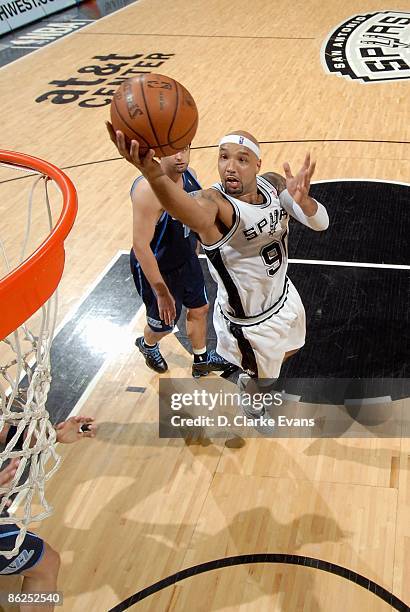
column 25, row 356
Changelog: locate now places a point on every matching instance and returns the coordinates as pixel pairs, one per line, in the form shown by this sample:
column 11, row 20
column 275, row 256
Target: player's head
column 176, row 164
column 239, row 162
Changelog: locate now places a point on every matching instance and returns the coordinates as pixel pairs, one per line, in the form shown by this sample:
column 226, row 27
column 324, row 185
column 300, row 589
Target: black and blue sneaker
column 152, row 355
column 212, row 363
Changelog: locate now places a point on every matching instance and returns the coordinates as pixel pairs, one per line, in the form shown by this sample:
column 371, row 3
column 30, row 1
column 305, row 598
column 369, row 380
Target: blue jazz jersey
column 172, row 243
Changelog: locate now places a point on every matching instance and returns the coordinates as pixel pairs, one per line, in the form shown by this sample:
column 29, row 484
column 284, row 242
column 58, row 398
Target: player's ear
column 258, row 165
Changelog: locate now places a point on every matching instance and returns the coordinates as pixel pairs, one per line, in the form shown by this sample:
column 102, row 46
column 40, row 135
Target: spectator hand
column 69, row 431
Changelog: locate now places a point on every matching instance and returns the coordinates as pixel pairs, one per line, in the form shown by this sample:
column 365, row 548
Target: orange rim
column 26, row 288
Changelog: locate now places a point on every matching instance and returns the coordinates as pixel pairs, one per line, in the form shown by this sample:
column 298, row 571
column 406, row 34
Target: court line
column 350, row 264
column 233, row 36
column 290, row 559
column 316, row 140
column 73, row 311
column 110, row 159
column 21, row 496
column 88, row 291
column 93, row 383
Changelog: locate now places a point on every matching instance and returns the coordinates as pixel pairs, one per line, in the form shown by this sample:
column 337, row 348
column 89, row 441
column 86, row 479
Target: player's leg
column 42, row 577
column 36, row 561
column 152, row 337
column 272, row 343
column 289, row 354
column 196, row 319
column 148, row 345
column 155, row 329
column 196, row 301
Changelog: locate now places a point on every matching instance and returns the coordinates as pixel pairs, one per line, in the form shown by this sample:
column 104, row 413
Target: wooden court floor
column 132, row 509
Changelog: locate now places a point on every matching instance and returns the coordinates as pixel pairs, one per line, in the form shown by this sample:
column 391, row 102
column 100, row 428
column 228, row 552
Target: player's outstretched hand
column 75, row 428
column 146, row 164
column 298, row 186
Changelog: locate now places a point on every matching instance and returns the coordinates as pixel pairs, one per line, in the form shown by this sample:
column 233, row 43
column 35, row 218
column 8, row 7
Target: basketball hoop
column 28, row 311
column 27, row 287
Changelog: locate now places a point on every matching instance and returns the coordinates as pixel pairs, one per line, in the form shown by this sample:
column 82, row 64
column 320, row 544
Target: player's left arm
column 294, row 195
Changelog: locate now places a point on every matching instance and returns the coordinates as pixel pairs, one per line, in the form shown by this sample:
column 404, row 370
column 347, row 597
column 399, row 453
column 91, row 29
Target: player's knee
column 49, row 565
column 197, row 313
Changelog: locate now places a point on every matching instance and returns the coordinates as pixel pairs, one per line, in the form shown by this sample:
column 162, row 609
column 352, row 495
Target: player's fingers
column 83, row 419
column 135, row 151
column 312, row 168
column 306, row 163
column 163, row 315
column 7, row 475
column 9, row 471
column 122, row 147
column 111, row 132
column 287, row 170
column 149, row 155
column 172, row 314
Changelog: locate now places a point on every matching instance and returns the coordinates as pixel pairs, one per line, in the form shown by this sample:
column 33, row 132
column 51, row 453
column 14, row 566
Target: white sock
column 200, row 351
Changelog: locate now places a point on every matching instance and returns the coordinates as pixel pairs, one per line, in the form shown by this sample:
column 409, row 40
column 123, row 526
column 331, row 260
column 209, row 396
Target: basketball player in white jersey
column 242, row 223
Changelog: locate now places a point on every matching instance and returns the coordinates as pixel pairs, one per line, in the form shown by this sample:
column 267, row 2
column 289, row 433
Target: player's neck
column 253, row 196
column 176, row 177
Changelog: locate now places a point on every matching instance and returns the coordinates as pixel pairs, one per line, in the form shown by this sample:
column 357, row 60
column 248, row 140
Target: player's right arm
column 146, row 211
column 198, row 213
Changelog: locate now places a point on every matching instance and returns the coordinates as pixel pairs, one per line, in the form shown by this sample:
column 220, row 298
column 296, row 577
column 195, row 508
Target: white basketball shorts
column 262, row 346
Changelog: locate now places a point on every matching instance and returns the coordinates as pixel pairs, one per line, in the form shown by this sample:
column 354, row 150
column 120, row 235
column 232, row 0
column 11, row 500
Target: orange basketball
column 157, row 111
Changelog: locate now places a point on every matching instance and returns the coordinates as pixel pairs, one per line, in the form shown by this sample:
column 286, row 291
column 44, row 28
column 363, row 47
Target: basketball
column 157, row 111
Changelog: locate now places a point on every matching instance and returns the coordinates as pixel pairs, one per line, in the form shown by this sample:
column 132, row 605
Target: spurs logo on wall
column 372, row 47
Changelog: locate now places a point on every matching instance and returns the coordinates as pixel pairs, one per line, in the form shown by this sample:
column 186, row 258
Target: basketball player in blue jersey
column 242, row 223
column 167, row 272
column 36, row 561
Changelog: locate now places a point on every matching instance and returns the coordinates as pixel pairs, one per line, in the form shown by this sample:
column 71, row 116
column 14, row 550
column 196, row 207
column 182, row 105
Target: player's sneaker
column 152, row 355
column 247, row 387
column 214, row 363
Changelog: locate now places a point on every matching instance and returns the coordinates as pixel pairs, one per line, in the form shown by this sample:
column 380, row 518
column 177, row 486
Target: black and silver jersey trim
column 263, row 316
column 231, row 289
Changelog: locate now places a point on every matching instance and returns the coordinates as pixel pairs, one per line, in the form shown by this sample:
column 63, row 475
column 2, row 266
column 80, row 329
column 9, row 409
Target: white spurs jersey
column 249, row 264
